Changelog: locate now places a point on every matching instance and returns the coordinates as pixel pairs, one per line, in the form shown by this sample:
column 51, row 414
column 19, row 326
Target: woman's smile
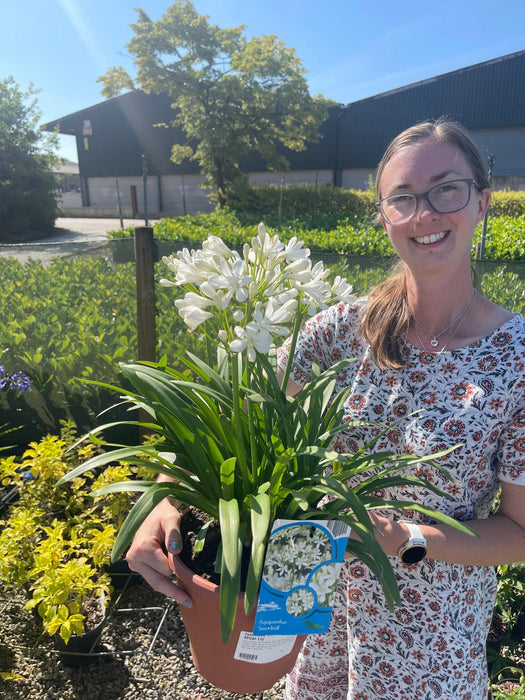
column 428, row 239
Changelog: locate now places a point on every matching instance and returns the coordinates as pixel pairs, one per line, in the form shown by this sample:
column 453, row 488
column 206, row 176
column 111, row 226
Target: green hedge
column 324, row 204
column 507, row 204
column 505, row 238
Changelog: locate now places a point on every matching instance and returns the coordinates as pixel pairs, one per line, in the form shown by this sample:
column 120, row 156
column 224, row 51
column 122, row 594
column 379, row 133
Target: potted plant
column 236, row 446
column 55, row 543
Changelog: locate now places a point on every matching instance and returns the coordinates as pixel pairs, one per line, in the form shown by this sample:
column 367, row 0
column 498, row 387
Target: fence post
column 144, row 259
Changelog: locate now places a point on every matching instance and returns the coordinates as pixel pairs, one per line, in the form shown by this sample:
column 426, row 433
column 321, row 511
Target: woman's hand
column 158, row 534
column 390, row 534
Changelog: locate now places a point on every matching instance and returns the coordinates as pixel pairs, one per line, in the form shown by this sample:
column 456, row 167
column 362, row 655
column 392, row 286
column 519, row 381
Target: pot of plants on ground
column 122, row 577
column 82, row 649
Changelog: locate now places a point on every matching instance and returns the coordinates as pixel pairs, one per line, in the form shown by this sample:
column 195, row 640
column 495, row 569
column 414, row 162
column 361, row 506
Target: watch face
column 414, row 554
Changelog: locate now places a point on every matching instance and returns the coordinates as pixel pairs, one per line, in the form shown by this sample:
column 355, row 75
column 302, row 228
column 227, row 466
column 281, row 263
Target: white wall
column 174, row 192
column 296, row 177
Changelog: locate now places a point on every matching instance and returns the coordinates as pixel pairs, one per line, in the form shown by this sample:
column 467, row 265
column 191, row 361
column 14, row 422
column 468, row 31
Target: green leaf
column 227, row 474
column 260, row 513
column 137, row 515
column 230, row 565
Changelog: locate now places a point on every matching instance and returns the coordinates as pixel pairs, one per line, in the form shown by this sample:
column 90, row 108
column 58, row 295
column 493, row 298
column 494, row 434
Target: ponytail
column 385, row 321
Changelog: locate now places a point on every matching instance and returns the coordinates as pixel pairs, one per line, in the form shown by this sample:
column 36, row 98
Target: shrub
column 507, row 204
column 27, row 183
column 55, row 541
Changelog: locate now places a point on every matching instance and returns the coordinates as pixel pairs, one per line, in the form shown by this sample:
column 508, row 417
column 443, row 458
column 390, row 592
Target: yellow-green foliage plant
column 55, row 543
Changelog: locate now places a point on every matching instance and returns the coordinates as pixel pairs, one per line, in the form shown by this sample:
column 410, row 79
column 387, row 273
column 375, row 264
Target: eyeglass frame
column 424, row 195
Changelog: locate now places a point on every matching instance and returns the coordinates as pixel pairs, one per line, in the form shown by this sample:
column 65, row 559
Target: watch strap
column 414, row 549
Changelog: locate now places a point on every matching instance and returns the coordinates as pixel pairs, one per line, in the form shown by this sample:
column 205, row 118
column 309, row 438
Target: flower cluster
column 254, row 295
column 18, row 381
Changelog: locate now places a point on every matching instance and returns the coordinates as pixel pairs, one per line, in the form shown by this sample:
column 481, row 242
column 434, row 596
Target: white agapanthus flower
column 192, row 309
column 294, row 250
column 233, row 276
column 341, row 290
column 216, row 246
column 267, row 321
column 258, row 293
column 267, row 250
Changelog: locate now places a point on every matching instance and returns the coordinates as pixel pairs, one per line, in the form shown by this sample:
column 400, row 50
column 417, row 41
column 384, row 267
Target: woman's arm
column 501, row 537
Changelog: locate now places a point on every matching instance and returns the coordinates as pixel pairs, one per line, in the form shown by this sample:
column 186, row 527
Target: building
column 124, row 159
column 68, row 176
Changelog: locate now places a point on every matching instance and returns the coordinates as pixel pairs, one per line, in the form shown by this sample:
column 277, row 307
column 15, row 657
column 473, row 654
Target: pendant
column 434, row 342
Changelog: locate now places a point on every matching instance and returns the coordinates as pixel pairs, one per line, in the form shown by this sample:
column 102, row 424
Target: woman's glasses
column 444, row 198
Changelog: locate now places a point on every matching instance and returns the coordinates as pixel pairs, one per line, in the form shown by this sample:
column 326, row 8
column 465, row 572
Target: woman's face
column 430, row 242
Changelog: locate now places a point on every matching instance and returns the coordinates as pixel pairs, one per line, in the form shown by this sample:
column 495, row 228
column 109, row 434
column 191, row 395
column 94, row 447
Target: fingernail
column 186, row 603
column 174, row 546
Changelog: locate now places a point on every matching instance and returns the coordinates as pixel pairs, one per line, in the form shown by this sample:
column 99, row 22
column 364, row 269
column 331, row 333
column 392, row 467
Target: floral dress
column 433, row 644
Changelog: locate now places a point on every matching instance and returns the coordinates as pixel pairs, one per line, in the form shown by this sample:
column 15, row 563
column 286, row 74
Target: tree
column 27, row 158
column 231, row 95
column 115, row 81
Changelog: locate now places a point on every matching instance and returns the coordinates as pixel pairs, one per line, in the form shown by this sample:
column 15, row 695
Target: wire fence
column 121, row 251
column 506, row 277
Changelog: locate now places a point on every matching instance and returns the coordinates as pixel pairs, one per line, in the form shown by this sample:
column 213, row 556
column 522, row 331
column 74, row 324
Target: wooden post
column 144, row 259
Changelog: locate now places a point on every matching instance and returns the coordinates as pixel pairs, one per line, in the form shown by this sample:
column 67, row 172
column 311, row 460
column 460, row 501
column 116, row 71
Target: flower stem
column 295, row 332
column 237, row 409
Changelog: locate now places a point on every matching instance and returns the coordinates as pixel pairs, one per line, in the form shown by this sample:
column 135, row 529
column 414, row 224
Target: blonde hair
column 387, row 315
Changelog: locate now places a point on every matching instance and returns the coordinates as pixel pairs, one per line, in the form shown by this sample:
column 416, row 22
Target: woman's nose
column 424, row 208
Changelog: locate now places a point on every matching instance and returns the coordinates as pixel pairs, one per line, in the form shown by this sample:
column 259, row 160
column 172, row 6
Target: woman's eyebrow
column 433, row 178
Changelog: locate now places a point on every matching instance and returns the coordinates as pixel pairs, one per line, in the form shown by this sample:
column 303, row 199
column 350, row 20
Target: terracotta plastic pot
column 213, row 659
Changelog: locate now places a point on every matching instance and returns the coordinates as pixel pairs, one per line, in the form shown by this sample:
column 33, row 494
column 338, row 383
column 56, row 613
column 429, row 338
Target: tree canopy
column 231, row 95
column 27, row 157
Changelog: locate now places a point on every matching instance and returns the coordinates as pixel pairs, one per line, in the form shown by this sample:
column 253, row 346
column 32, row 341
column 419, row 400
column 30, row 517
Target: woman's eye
column 446, row 188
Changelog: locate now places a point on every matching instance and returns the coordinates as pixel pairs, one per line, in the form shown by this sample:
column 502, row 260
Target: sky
column 351, row 49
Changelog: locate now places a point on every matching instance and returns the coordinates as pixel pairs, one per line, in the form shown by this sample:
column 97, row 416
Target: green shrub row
column 332, row 203
column 507, row 204
column 504, row 240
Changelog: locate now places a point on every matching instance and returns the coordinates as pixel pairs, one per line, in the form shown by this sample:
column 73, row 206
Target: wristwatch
column 415, row 548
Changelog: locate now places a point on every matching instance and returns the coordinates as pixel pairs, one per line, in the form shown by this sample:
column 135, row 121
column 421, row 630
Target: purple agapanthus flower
column 18, row 381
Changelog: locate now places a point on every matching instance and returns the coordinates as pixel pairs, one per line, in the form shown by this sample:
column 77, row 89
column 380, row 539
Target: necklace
column 435, row 336
column 458, row 319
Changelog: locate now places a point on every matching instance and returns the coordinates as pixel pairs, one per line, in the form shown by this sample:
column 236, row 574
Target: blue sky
column 351, row 49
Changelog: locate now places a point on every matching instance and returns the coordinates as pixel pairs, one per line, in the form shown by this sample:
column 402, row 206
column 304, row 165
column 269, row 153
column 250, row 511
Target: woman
column 424, row 339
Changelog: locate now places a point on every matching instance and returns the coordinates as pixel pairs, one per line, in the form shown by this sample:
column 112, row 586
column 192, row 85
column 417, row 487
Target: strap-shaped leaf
column 230, row 565
column 260, row 512
column 136, row 517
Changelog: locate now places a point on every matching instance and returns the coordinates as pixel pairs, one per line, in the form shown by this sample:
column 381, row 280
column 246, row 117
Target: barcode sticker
column 258, row 649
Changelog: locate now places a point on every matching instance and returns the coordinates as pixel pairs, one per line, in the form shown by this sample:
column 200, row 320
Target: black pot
column 122, row 576
column 82, row 649
column 518, row 631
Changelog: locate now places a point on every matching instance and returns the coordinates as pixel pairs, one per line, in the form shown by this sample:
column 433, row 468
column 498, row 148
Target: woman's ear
column 483, row 203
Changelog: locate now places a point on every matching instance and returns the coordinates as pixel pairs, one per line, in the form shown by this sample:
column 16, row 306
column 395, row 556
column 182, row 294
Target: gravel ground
column 140, row 667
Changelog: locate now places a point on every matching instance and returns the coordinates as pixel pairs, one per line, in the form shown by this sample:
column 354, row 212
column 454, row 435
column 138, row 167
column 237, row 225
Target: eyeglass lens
column 444, row 198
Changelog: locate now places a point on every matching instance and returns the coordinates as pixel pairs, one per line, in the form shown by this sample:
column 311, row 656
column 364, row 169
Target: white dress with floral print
column 433, row 645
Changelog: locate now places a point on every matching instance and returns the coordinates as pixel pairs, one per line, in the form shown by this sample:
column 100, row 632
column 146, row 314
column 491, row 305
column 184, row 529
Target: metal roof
column 482, row 96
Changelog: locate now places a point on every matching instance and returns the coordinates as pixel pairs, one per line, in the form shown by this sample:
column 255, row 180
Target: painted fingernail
column 186, row 603
column 174, row 545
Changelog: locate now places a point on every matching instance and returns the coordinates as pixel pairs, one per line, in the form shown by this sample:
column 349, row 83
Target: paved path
column 70, row 237
column 88, row 230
